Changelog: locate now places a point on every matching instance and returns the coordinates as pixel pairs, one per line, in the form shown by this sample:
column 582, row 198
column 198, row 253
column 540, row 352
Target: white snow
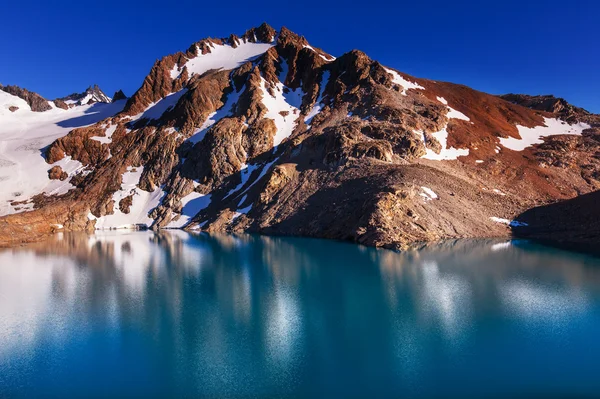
column 442, row 100
column 223, row 57
column 530, row 136
column 428, row 194
column 71, row 167
column 23, row 135
column 224, row 111
column 318, row 106
column 511, row 223
column 498, row 192
column 192, row 204
column 242, row 211
column 406, row 85
column 107, row 139
column 479, row 161
column 8, row 100
column 156, row 110
column 445, row 154
column 143, row 202
column 246, row 173
column 284, row 100
column 332, row 58
column 452, row 113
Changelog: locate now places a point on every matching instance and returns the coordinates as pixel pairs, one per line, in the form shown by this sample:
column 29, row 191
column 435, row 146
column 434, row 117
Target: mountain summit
column 265, row 133
column 91, row 95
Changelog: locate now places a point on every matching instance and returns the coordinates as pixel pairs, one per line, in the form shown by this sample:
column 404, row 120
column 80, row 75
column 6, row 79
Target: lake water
column 138, row 314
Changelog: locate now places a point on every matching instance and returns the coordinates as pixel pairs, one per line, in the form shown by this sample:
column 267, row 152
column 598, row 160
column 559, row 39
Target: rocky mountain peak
column 119, row 95
column 91, row 95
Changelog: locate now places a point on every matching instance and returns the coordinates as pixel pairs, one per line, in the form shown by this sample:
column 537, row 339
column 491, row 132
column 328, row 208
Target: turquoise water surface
column 139, row 314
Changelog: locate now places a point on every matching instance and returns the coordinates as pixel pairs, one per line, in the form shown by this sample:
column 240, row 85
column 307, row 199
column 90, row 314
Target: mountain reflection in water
column 171, row 313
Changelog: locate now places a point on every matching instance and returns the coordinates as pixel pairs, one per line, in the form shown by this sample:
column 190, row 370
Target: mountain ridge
column 291, row 140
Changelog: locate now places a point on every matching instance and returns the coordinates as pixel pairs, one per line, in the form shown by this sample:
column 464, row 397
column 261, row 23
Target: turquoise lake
column 139, row 314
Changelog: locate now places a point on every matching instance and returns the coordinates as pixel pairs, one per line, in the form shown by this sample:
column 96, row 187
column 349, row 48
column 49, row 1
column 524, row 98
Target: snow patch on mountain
column 143, row 203
column 317, row 107
column 283, row 107
column 71, row 167
column 442, row 100
column 531, row 136
column 452, row 113
column 223, row 57
column 446, row 154
column 107, row 139
column 406, row 85
column 192, row 204
column 156, row 110
column 428, row 194
column 224, row 111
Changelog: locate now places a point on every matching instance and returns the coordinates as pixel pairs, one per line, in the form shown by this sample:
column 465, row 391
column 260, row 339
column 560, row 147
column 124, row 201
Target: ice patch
column 442, row 100
column 531, row 136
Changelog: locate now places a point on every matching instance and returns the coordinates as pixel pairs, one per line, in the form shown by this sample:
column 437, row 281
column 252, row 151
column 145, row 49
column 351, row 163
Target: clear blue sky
column 536, row 47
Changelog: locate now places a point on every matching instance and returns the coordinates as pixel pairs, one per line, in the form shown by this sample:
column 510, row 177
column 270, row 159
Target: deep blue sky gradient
column 537, row 47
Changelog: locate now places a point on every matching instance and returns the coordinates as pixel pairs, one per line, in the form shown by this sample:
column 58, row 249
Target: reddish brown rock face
column 56, row 173
column 298, row 142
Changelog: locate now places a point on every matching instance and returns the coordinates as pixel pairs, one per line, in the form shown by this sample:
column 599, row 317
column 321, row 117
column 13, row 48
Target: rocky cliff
column 264, row 133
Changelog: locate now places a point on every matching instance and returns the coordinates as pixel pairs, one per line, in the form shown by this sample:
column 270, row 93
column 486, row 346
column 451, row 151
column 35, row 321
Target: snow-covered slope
column 223, row 57
column 23, row 136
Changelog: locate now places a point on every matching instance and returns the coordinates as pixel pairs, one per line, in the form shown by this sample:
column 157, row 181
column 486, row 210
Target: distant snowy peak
column 92, row 95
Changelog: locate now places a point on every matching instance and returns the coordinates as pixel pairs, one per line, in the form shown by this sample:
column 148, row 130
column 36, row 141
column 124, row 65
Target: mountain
column 264, row 133
column 91, row 95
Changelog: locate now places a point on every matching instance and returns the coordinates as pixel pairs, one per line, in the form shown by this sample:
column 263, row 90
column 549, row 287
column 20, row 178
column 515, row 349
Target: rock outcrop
column 119, row 95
